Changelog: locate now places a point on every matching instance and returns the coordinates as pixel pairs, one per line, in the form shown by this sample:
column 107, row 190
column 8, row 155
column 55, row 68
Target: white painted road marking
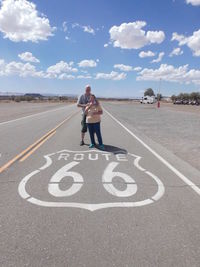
column 166, row 163
column 30, row 116
column 107, row 179
column 59, row 175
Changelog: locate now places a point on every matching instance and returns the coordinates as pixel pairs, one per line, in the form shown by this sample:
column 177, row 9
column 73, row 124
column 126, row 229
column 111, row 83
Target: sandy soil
column 185, row 108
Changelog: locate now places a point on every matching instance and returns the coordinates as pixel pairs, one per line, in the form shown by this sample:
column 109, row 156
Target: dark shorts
column 83, row 124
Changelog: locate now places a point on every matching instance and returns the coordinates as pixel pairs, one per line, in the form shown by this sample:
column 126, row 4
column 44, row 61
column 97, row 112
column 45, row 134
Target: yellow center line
column 21, row 154
column 36, row 147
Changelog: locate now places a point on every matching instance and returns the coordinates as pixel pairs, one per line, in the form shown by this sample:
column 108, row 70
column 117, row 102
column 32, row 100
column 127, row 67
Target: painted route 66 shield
column 91, row 180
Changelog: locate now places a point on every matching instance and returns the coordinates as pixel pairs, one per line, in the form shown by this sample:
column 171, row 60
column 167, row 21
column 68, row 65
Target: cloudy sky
column 119, row 47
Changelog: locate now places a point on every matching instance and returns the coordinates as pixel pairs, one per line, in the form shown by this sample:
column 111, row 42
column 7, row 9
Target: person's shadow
column 115, row 150
column 112, row 149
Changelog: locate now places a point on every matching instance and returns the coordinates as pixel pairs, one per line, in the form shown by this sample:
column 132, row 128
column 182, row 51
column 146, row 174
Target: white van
column 147, row 100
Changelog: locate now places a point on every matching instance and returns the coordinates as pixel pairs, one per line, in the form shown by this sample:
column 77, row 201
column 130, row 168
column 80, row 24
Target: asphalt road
column 134, row 204
column 175, row 127
column 14, row 110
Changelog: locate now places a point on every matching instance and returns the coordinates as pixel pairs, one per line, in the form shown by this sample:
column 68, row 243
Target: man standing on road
column 82, row 103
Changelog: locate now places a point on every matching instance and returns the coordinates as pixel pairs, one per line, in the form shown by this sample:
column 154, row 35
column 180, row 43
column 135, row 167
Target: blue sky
column 118, row 47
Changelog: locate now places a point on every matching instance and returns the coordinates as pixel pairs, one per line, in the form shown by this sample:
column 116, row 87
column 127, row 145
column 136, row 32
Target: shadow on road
column 112, row 149
column 115, row 150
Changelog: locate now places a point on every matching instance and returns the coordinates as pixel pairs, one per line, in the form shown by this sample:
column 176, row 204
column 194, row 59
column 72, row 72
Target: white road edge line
column 165, row 162
column 32, row 115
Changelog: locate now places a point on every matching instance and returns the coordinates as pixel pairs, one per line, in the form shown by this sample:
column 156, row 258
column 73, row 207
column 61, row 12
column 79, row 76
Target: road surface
column 133, row 204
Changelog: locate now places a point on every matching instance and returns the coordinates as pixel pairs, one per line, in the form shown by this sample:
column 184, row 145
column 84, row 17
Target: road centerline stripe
column 32, row 115
column 36, row 147
column 21, row 154
column 160, row 158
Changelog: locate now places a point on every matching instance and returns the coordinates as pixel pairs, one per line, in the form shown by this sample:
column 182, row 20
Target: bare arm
column 98, row 112
column 81, row 105
column 86, row 109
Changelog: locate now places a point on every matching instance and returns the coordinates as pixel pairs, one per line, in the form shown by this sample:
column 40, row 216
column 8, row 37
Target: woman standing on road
column 93, row 112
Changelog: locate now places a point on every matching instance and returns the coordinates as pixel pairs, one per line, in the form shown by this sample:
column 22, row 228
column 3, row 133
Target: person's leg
column 91, row 132
column 83, row 129
column 82, row 136
column 98, row 132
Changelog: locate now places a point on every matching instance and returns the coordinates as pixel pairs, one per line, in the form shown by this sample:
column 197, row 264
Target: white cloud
column 155, row 37
column 137, row 69
column 28, row 57
column 193, row 2
column 84, row 77
column 105, row 45
column 76, row 25
column 14, row 68
column 86, row 28
column 132, row 36
column 62, row 70
column 87, row 63
column 111, row 76
column 160, row 57
column 50, row 75
column 193, row 41
column 123, row 67
column 2, row 67
column 20, row 21
column 179, row 38
column 65, row 76
column 176, row 52
column 143, row 54
column 64, row 26
column 84, row 71
column 19, row 69
column 39, row 74
column 170, row 73
column 61, row 67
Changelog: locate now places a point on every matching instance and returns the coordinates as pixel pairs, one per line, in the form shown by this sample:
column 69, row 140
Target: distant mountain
column 38, row 95
column 10, row 93
column 57, row 95
column 34, row 95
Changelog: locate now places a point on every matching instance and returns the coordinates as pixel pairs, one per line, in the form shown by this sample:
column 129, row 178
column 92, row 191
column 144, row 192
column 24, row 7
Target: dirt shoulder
column 184, row 108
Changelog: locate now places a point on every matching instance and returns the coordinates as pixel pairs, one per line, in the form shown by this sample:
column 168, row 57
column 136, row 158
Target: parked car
column 197, row 103
column 194, row 102
column 147, row 100
column 185, row 102
column 178, row 102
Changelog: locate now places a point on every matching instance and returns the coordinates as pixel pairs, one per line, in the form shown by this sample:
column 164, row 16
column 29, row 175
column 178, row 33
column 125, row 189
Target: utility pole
column 158, row 96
